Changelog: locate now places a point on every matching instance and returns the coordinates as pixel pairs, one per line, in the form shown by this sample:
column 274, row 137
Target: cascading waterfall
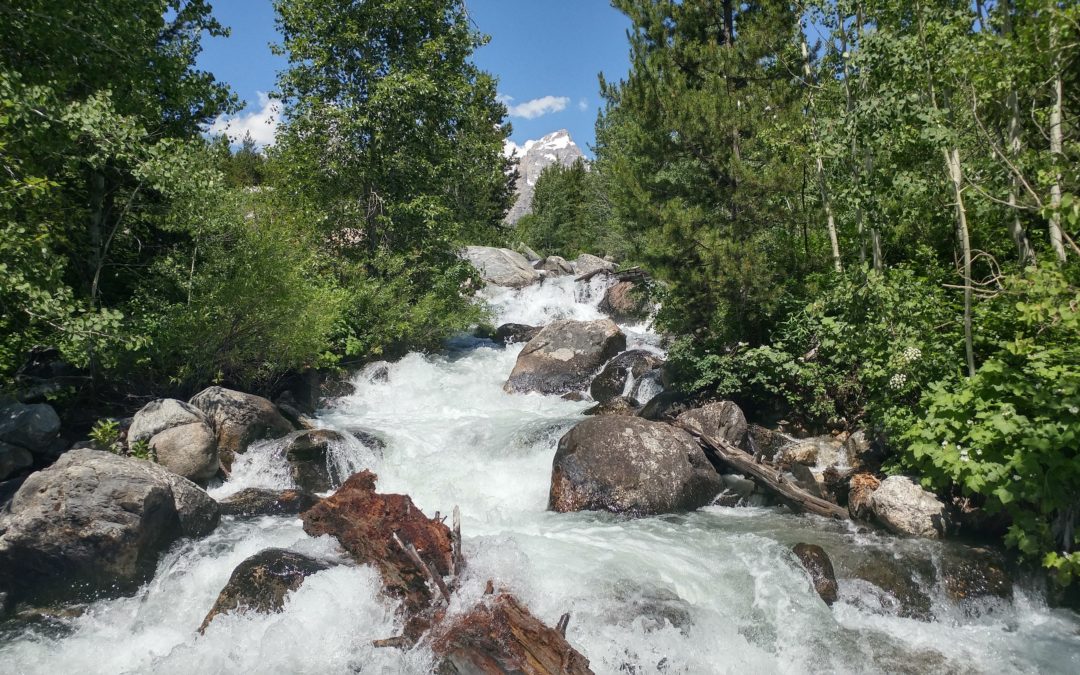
column 713, row 591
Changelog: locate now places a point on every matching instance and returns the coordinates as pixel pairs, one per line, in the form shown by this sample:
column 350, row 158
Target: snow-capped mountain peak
column 535, row 156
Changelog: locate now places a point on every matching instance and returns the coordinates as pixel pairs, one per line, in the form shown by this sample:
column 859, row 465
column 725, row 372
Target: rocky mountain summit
column 555, row 148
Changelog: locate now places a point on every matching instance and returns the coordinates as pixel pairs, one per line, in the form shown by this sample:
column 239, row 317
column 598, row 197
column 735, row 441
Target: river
column 714, row 591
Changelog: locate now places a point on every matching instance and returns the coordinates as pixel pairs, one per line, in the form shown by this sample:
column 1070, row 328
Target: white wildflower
column 898, row 380
column 912, row 354
column 1016, row 477
column 1073, row 409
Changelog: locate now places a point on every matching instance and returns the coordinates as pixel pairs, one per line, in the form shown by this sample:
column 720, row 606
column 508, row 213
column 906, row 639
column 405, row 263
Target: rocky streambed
column 663, row 563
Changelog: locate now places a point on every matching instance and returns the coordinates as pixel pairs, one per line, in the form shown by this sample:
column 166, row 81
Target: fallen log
column 629, row 274
column 767, row 477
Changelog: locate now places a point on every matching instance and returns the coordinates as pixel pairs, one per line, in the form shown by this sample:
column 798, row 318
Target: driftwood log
column 629, row 274
column 767, row 477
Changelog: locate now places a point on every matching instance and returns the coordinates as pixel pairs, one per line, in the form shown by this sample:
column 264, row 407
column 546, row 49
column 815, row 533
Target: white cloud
column 261, row 123
column 582, row 105
column 535, row 108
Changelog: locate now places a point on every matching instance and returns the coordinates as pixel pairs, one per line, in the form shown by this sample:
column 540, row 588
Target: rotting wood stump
column 498, row 636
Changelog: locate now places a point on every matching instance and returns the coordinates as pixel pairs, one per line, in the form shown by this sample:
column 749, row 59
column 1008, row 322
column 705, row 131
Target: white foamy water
column 715, row 591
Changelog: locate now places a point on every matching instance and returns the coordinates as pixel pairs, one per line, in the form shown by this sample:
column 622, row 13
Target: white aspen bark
column 1056, row 156
column 830, row 221
column 1023, row 247
column 956, row 173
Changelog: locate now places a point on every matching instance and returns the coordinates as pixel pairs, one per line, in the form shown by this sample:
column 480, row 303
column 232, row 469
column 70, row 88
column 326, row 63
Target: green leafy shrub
column 106, row 435
column 1011, row 433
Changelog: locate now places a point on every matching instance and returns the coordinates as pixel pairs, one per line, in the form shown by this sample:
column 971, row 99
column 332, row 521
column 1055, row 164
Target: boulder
column 626, row 301
column 95, row 522
column 515, row 332
column 861, row 451
column 819, row 451
column 902, row 583
column 365, row 523
column 189, row 450
column 160, row 415
column 308, row 454
column 765, row 442
column 564, row 355
column 498, row 636
column 501, row 266
column 13, row 459
column 630, row 465
column 666, row 406
column 554, row 266
column 260, row 583
column 620, row 405
column 904, row 507
column 969, row 573
column 261, row 502
column 239, row 419
column 31, row 427
column 720, row 419
column 611, row 381
column 586, row 263
column 816, row 562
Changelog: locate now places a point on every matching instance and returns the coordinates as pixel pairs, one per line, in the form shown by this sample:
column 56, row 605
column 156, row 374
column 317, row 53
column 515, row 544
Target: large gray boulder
column 720, row 419
column 31, row 427
column 157, row 416
column 625, row 301
column 586, row 263
column 904, row 507
column 554, row 265
column 611, row 381
column 564, row 355
column 95, row 522
column 239, row 419
column 501, row 266
column 13, row 459
column 630, row 465
column 189, row 450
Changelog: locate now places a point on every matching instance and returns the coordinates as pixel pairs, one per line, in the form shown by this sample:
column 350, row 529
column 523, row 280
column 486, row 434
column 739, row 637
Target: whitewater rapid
column 714, row 591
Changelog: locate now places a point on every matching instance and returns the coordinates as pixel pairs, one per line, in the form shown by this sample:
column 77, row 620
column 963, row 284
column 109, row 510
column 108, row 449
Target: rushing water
column 715, row 591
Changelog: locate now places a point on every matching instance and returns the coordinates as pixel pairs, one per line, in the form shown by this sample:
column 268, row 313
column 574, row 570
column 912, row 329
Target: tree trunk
column 826, row 202
column 1056, row 155
column 1023, row 247
column 956, row 173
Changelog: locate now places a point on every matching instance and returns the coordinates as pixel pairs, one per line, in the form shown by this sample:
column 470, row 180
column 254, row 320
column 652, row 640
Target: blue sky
column 546, row 54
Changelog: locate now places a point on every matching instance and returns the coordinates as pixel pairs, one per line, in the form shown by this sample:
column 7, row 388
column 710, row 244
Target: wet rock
column 13, row 460
column 586, row 263
column 968, row 573
column 739, row 490
column 806, row 479
column 239, row 419
column 903, row 581
column 499, row 636
column 501, row 266
column 515, row 332
column 666, row 406
column 862, row 451
column 720, row 419
column 339, row 385
column 620, row 405
column 260, row 583
column 573, row 396
column 564, row 355
column 905, row 508
column 626, row 301
column 364, row 522
column 95, row 522
column 630, row 465
column 308, row 454
column 160, row 415
column 764, row 441
column 369, row 439
column 554, row 266
column 189, row 450
column 32, row 427
column 611, row 381
column 260, row 502
column 820, row 451
column 817, row 563
column 860, row 488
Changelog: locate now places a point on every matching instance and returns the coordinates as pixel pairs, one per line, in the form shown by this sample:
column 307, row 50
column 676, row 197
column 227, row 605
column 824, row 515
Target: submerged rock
column 903, row 584
column 262, row 502
column 905, row 508
column 564, row 355
column 968, row 573
column 239, row 419
column 509, row 333
column 620, row 405
column 501, row 266
column 720, row 419
column 630, row 465
column 625, row 301
column 611, row 381
column 260, row 583
column 499, row 635
column 365, row 523
column 817, row 563
column 95, row 522
column 308, row 454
